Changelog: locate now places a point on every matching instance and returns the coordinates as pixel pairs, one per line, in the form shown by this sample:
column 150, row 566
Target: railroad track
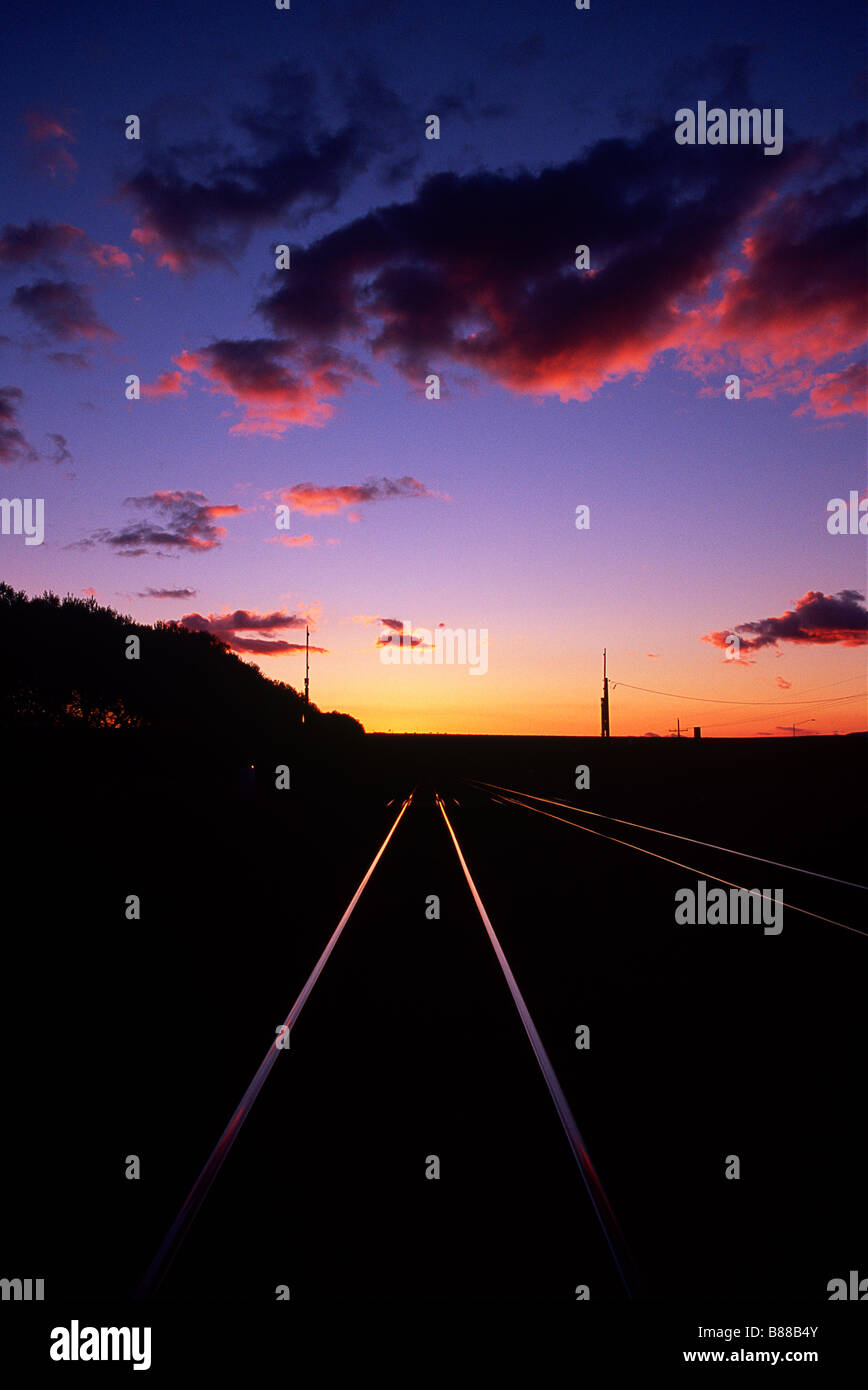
column 386, row 974
column 513, row 797
column 178, row 1232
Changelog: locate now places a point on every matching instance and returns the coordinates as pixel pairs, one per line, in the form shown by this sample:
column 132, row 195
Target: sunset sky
column 411, row 256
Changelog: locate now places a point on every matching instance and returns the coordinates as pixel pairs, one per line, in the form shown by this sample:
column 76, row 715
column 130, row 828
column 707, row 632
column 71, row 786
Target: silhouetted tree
column 65, row 664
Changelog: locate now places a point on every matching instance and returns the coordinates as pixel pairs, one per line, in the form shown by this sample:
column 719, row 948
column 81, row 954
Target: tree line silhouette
column 65, row 665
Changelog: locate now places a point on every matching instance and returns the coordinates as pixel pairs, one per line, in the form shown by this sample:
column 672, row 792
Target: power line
column 708, row 700
column 670, row 834
column 729, row 723
column 704, row 873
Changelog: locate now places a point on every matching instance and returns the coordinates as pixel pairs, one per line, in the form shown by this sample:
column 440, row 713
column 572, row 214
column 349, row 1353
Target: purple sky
column 559, row 386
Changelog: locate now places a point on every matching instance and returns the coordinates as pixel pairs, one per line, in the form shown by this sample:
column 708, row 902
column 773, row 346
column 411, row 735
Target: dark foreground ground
column 139, row 1037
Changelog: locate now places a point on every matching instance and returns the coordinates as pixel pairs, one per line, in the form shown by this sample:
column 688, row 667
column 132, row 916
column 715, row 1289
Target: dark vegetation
column 67, row 686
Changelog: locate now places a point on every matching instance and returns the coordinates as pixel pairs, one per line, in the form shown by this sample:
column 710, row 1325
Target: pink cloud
column 291, row 541
column 323, row 501
column 167, row 384
column 50, row 135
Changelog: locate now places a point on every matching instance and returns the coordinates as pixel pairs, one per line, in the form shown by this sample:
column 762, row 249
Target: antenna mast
column 604, row 703
column 306, row 669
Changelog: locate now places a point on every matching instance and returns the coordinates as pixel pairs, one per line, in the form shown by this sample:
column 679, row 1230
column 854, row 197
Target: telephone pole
column 604, row 703
column 306, row 672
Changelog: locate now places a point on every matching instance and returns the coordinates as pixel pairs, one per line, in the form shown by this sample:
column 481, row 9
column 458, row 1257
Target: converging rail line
column 165, row 1256
column 654, row 830
column 792, row 907
column 162, row 1261
column 595, row 1190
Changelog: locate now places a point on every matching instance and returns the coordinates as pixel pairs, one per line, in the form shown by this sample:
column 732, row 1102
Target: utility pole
column 306, row 673
column 604, row 703
column 676, row 731
column 796, row 729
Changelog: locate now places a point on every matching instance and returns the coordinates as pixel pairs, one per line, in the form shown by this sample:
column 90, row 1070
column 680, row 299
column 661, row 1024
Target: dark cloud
column 49, row 241
column 397, row 635
column 195, row 204
column 14, row 447
column 49, row 136
column 60, row 453
column 307, row 497
column 37, row 241
column 260, row 647
column 179, row 521
column 243, row 620
column 10, row 399
column 62, row 309
column 168, row 593
column 782, row 320
column 69, row 359
column 817, row 619
column 401, row 639
column 272, row 394
column 709, row 260
column 229, row 627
